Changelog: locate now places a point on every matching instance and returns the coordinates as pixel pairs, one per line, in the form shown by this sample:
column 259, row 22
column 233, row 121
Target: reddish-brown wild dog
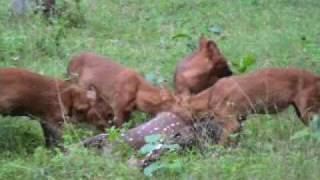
column 120, row 87
column 201, row 69
column 26, row 93
column 100, row 113
column 272, row 90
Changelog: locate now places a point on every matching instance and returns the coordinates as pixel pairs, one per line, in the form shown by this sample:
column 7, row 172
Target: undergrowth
column 151, row 37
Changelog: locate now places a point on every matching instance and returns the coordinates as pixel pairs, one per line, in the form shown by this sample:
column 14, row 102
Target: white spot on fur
column 156, row 128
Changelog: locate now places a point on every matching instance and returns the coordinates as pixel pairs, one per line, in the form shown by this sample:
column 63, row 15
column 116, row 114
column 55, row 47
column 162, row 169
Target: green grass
column 140, row 34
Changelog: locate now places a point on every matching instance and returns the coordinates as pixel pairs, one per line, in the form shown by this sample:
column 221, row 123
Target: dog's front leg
column 230, row 127
column 53, row 135
column 122, row 107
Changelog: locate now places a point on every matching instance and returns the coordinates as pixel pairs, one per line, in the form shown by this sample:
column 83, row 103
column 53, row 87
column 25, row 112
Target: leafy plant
column 114, row 134
column 18, row 135
column 312, row 132
column 129, row 32
column 186, row 37
column 155, row 142
column 170, row 162
column 182, row 36
column 70, row 13
column 245, row 63
column 12, row 45
column 149, row 171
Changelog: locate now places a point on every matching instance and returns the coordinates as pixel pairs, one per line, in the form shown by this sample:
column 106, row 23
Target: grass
column 151, row 37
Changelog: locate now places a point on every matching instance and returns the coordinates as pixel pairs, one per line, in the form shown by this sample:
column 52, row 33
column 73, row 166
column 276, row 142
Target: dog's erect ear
column 202, row 42
column 212, row 50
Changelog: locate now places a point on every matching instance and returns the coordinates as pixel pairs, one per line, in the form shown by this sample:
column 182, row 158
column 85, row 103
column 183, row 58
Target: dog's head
column 179, row 104
column 80, row 101
column 86, row 106
column 100, row 114
column 209, row 52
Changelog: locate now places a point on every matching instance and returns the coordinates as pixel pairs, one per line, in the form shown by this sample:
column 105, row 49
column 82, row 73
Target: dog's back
column 88, row 63
column 20, row 87
column 90, row 69
column 266, row 91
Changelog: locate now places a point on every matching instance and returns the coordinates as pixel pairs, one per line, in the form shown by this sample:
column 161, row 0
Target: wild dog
column 120, row 87
column 24, row 93
column 201, row 69
column 272, row 90
column 100, row 114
